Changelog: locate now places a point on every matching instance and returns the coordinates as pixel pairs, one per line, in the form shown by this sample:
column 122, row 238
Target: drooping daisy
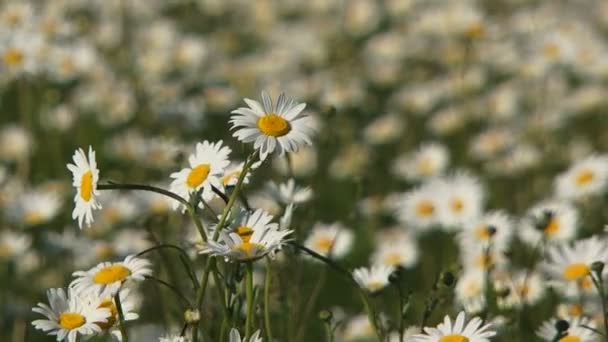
column 477, row 256
column 70, row 315
column 233, row 172
column 555, row 221
column 85, row 177
column 236, row 337
column 206, row 169
column 525, row 287
column 373, row 279
column 473, row 331
column 397, row 249
column 330, row 240
column 128, row 303
column 288, row 192
column 586, row 177
column 282, row 127
column 251, row 237
column 108, row 277
column 577, row 332
column 570, row 266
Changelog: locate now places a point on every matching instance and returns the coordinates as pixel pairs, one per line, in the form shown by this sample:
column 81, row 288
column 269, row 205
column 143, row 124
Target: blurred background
column 513, row 90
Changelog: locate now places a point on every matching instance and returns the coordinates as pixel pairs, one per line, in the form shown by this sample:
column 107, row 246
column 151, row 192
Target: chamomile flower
column 570, row 266
column 85, row 177
column 235, row 336
column 419, row 207
column 577, row 332
column 494, row 227
column 461, row 200
column 233, row 172
column 373, row 279
column 207, row 166
column 555, row 221
column 70, row 315
column 586, row 177
column 470, row 290
column 252, row 237
column 37, row 207
column 396, row 249
column 108, row 277
column 287, row 193
column 430, row 160
column 525, row 287
column 473, row 331
column 128, row 303
column 330, row 240
column 13, row 244
column 282, row 127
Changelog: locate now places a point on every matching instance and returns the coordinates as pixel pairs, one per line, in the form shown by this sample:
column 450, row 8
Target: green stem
column 267, row 301
column 329, row 332
column 371, row 314
column 249, row 295
column 121, row 318
column 599, row 284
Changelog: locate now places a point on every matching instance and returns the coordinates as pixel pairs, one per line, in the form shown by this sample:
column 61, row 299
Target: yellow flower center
column 476, row 30
column 570, row 338
column 324, row 244
column 5, row 250
column 576, row 271
column 13, row 57
column 86, row 186
column 575, row 310
column 248, row 248
column 230, row 176
column 393, row 259
column 198, row 175
column 457, row 205
column 245, row 233
column 425, row 208
column 33, row 217
column 584, row 177
column 482, row 232
column 273, row 125
column 374, row 286
column 552, row 227
column 109, row 304
column 71, row 320
column 551, row 50
column 425, row 166
column 485, row 261
column 111, row 274
column 453, row 338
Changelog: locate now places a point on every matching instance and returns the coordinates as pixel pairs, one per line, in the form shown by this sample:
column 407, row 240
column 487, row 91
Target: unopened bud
column 598, row 268
column 448, row 279
column 192, row 316
column 562, row 326
column 325, row 315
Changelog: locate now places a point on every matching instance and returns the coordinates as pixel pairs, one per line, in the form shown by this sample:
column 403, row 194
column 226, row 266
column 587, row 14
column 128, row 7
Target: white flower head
column 288, row 192
column 85, row 177
column 555, row 221
column 330, row 240
column 473, row 331
column 373, row 279
column 282, row 127
column 70, row 315
column 235, row 336
column 251, row 237
column 577, row 331
column 206, row 169
column 586, row 177
column 108, row 277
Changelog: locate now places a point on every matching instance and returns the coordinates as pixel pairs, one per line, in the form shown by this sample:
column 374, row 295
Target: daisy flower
column 396, row 249
column 461, row 200
column 128, row 303
column 495, row 227
column 577, row 332
column 236, row 337
column 473, row 331
column 282, row 127
column 233, row 172
column 470, row 290
column 13, row 244
column 553, row 220
column 70, row 315
column 525, row 287
column 586, row 177
column 252, row 237
column 430, row 160
column 85, row 177
column 108, row 277
column 373, row 279
column 37, row 207
column 206, row 169
column 330, row 240
column 419, row 208
column 570, row 266
column 287, row 193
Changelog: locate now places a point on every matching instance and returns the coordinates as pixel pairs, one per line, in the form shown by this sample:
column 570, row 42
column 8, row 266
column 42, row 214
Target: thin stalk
column 599, row 284
column 121, row 318
column 173, row 289
column 249, row 297
column 183, row 258
column 329, row 332
column 371, row 314
column 267, row 301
